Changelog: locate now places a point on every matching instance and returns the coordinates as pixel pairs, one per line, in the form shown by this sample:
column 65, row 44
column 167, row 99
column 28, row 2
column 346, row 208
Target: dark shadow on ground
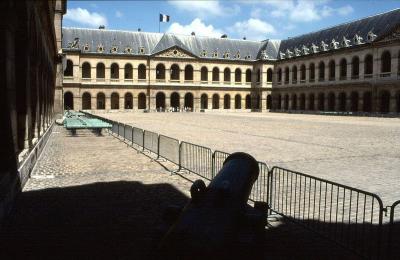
column 123, row 220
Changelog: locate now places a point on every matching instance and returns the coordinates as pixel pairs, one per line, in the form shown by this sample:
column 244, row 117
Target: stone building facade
column 352, row 67
column 28, row 62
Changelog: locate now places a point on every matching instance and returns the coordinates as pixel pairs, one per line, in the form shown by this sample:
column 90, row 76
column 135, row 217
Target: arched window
column 279, row 75
column 160, row 71
column 160, row 101
column 312, row 72
column 86, row 101
column 367, row 101
column 331, row 102
column 69, row 70
column 303, row 73
column 368, row 66
column 355, row 67
column 238, row 102
column 238, row 75
column 342, row 101
column 204, row 101
column 189, row 101
column 215, row 101
column 142, row 71
column 227, row 75
column 114, row 100
column 384, row 101
column 188, row 72
column 258, row 75
column 101, row 101
column 114, row 71
column 302, row 102
column 174, row 100
column 100, row 71
column 321, row 100
column 68, row 101
column 286, row 75
column 227, row 101
column 248, row 102
column 86, row 70
column 294, row 74
column 294, row 102
column 354, row 101
column 343, row 69
column 269, row 75
column 386, row 62
column 269, row 102
column 332, row 71
column 142, row 101
column 128, row 101
column 175, row 72
column 128, row 71
column 321, row 71
column 248, row 75
column 215, row 74
column 279, row 102
column 311, row 101
column 204, row 74
column 286, row 102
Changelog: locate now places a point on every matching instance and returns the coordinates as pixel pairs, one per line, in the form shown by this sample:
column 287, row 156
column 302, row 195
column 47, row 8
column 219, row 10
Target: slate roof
column 357, row 32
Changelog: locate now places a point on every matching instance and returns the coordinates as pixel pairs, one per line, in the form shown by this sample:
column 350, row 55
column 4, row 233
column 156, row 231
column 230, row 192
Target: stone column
column 107, row 102
column 121, row 102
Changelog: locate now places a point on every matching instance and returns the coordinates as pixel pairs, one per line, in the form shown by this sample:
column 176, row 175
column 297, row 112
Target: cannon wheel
column 197, row 190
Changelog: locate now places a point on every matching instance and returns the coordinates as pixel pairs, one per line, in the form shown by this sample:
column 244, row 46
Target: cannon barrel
column 208, row 225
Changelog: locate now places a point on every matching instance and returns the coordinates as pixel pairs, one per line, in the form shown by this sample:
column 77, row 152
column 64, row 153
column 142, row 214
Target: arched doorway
column 227, row 101
column 311, row 102
column 160, row 101
column 321, row 100
column 101, row 101
column 189, row 101
column 279, row 102
column 269, row 101
column 238, row 102
column 302, row 102
column 367, row 102
column 204, row 101
column 248, row 102
column 331, row 102
column 258, row 102
column 68, row 101
column 215, row 101
column 175, row 104
column 142, row 101
column 114, row 101
column 286, row 102
column 128, row 101
column 294, row 102
column 354, row 101
column 342, row 102
column 385, row 101
column 86, row 101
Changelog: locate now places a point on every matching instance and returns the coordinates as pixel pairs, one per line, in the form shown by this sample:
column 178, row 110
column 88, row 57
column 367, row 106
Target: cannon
column 217, row 222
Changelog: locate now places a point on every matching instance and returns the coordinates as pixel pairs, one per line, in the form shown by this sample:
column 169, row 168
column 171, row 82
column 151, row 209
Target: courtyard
column 362, row 152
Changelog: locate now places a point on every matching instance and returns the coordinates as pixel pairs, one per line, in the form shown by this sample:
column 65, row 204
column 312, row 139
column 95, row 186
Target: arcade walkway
column 93, row 197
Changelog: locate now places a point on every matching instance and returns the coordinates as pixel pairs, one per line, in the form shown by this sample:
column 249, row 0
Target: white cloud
column 83, row 16
column 345, row 10
column 197, row 26
column 204, row 9
column 252, row 29
column 119, row 14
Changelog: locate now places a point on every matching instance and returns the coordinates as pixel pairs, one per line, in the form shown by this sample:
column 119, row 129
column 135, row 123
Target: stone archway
column 384, row 101
column 215, row 101
column 86, row 101
column 68, row 101
column 160, row 101
column 142, row 101
column 114, row 100
column 227, row 101
column 238, row 102
column 174, row 99
column 204, row 101
column 189, row 101
column 128, row 101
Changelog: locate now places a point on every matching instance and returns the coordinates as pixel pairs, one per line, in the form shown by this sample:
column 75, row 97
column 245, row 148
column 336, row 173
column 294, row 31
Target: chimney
column 224, row 36
column 139, row 29
column 193, row 34
column 244, row 38
column 102, row 27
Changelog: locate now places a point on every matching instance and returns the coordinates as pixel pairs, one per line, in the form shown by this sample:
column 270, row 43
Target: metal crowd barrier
column 349, row 216
column 197, row 159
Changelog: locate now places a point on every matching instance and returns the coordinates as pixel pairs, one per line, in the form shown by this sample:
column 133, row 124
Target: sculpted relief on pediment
column 175, row 53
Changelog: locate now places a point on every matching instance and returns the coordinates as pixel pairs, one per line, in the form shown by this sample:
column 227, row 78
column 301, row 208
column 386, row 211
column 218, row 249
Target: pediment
column 175, row 52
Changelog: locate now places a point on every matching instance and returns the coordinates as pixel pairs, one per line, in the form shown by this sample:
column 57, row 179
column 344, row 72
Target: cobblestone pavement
column 361, row 152
column 93, row 197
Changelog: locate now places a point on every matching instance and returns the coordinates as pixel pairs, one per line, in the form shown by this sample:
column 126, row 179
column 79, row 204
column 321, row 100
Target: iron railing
column 349, row 216
column 196, row 159
column 169, row 149
column 150, row 141
column 393, row 250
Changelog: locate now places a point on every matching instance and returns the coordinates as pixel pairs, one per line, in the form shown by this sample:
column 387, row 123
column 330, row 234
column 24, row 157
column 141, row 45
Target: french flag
column 164, row 18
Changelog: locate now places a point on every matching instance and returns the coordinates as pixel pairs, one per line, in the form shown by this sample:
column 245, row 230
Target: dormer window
column 86, row 47
column 238, row 55
column 114, row 49
column 334, row 44
column 357, row 39
column 204, row 53
column 226, row 55
column 371, row 36
column 346, row 42
column 128, row 50
column 100, row 48
column 247, row 57
column 215, row 54
column 141, row 50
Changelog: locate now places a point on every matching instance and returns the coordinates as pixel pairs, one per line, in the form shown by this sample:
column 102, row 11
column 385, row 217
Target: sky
column 253, row 19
